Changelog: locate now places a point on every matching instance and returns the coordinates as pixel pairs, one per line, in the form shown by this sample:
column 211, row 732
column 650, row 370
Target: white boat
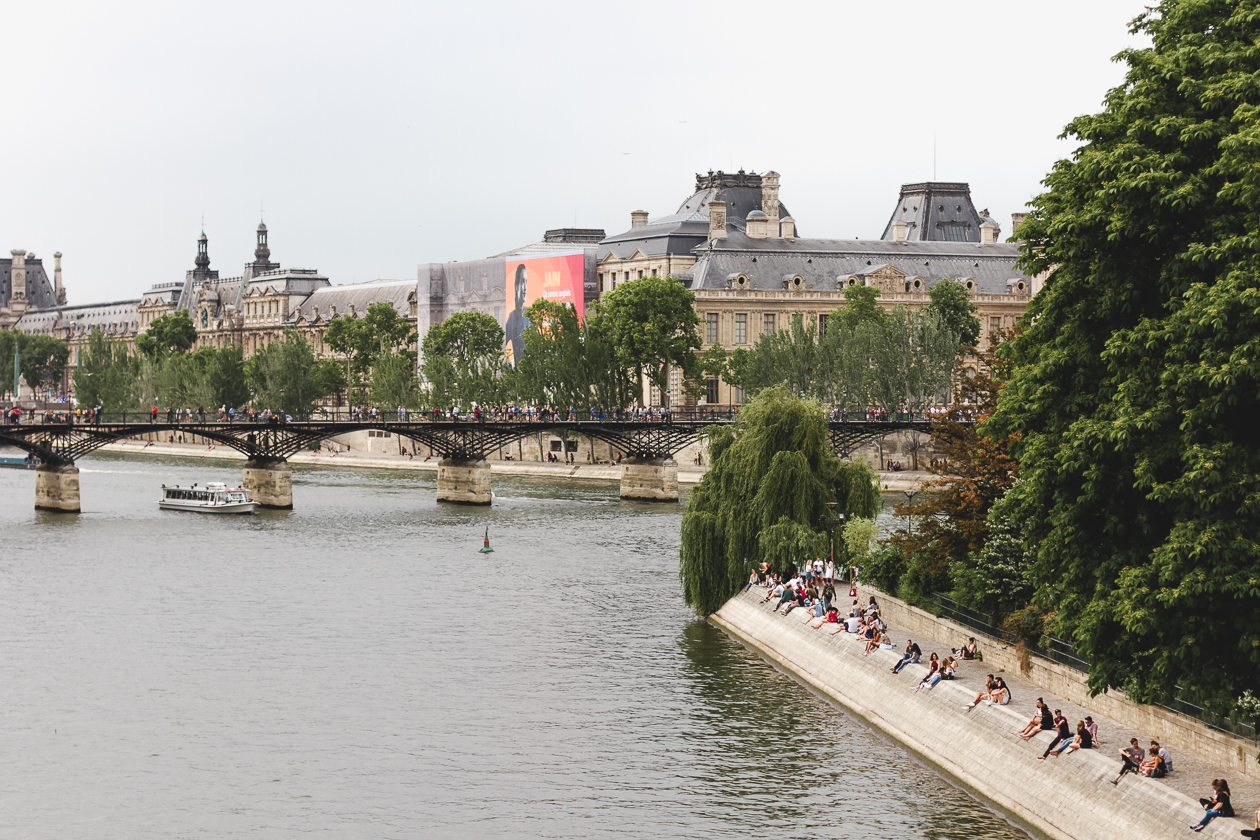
column 213, row 498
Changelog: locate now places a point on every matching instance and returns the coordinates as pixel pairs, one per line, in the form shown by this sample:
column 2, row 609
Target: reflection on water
column 354, row 668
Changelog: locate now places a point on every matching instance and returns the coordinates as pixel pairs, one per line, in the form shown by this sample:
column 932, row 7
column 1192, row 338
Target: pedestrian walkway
column 1192, row 776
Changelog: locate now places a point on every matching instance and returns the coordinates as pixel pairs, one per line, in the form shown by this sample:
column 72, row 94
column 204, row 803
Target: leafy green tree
column 998, row 580
column 173, row 333
column 861, row 307
column 913, row 357
column 287, row 378
column 106, row 374
column 463, row 360
column 763, row 496
column 361, row 340
column 1138, row 379
column 207, row 378
column 394, row 381
column 42, row 359
column 859, row 538
column 951, row 302
column 568, row 362
column 654, row 326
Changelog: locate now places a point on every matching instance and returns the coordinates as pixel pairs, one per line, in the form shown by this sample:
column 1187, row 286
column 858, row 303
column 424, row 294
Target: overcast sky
column 378, row 136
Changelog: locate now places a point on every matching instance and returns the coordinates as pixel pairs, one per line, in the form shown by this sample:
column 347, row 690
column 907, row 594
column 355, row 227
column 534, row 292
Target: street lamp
column 831, row 519
column 910, row 494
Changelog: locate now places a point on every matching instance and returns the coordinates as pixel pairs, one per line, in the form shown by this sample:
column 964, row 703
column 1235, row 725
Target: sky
column 375, row 136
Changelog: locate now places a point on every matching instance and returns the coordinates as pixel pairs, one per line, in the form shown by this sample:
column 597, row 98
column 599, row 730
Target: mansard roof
column 399, row 293
column 937, row 211
column 825, row 263
column 40, row 293
column 117, row 318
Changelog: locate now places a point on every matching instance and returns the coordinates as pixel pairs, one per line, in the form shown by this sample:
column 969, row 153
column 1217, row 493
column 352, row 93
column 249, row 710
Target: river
column 354, row 668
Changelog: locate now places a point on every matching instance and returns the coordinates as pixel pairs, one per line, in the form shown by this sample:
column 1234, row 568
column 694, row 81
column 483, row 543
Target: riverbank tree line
column 1111, row 498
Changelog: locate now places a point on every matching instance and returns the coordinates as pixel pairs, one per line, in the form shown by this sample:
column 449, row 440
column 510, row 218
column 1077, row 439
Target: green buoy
column 486, row 549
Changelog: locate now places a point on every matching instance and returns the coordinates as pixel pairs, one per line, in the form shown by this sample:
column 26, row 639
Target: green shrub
column 884, row 567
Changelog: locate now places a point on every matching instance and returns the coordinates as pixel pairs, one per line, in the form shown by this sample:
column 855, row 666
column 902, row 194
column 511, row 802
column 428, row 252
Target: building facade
column 736, row 247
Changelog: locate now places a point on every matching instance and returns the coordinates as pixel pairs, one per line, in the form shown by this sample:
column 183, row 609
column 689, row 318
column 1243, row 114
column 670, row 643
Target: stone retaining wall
column 1222, row 749
column 1068, row 798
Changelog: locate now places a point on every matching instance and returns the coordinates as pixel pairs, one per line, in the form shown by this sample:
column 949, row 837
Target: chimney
column 638, row 218
column 19, row 275
column 989, row 232
column 787, row 228
column 1017, row 219
column 61, row 292
column 770, row 201
column 717, row 219
column 899, row 231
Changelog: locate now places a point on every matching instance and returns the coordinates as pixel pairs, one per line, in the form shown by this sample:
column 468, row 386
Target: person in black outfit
column 910, row 657
column 1130, row 758
column 1064, row 733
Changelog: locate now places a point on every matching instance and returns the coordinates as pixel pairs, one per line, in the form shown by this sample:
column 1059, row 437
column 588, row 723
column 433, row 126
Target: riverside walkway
column 1192, row 774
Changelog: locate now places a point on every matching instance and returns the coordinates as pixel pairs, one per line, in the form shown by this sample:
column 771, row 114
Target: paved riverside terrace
column 1192, row 776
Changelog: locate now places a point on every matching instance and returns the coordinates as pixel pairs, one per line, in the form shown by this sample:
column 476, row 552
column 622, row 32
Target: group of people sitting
column 1065, row 739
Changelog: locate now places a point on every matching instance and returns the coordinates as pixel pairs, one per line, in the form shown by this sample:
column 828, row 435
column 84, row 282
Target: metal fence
column 1057, row 650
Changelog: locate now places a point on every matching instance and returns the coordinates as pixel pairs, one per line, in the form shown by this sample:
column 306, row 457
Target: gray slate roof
column 932, row 207
column 112, row 318
column 821, row 262
column 358, row 295
column 39, row 288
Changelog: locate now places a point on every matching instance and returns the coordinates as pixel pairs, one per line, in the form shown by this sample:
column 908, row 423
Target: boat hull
column 193, row 507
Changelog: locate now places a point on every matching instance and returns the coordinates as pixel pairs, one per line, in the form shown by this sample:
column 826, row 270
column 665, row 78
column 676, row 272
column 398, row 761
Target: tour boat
column 213, row 498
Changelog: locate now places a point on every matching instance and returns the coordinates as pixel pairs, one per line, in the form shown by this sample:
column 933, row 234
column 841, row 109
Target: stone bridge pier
column 649, row 479
column 463, row 481
column 57, row 487
column 269, row 482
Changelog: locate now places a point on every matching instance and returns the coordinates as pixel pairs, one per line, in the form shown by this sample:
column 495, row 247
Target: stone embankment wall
column 1168, row 727
column 1068, row 798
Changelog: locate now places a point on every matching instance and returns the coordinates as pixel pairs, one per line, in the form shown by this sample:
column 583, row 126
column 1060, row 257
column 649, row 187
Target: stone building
column 736, row 247
column 24, row 286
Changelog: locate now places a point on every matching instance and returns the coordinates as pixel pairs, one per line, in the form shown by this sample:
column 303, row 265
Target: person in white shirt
column 829, row 573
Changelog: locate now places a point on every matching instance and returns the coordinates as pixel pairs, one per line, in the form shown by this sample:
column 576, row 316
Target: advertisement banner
column 553, row 277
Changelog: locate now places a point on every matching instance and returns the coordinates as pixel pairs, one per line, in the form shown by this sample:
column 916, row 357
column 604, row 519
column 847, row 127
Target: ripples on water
column 354, row 668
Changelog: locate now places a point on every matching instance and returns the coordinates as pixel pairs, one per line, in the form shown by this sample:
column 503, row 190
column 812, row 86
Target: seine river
column 356, row 669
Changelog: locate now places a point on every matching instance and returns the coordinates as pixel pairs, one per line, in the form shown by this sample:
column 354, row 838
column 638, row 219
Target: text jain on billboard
column 555, row 277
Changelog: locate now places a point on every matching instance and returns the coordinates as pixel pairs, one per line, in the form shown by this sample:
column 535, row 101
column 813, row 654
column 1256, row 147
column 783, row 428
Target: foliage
column 361, row 340
column 950, row 520
column 901, row 360
column 106, row 374
column 463, row 361
column 1138, row 380
column 653, row 325
column 570, row 362
column 763, row 497
column 41, row 362
column 861, row 307
column 394, row 381
column 997, row 581
column 884, row 567
column 951, row 302
column 287, row 378
column 208, row 377
column 859, row 537
column 173, row 333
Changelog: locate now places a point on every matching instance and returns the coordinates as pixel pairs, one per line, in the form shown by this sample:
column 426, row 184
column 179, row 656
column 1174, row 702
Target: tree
column 998, row 581
column 173, row 333
column 951, row 302
column 394, row 381
column 1137, row 382
column 41, row 359
column 861, row 307
column 569, row 362
column 361, row 340
column 106, row 374
column 654, row 325
column 762, row 498
column 912, row 357
column 288, row 379
column 463, row 359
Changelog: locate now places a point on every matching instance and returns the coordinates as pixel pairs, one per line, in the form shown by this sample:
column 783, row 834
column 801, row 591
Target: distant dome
column 202, row 238
column 757, row 214
column 262, row 228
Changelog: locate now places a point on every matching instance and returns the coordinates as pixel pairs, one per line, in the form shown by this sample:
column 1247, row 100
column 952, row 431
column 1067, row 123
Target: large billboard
column 554, row 277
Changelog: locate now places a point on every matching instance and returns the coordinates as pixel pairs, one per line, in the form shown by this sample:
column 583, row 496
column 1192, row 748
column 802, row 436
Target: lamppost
column 831, row 519
column 910, row 494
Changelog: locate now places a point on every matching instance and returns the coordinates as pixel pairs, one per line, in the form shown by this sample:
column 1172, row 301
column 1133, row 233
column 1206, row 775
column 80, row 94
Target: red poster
column 555, row 277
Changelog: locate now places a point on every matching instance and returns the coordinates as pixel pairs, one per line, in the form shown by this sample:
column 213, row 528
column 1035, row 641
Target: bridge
column 647, row 447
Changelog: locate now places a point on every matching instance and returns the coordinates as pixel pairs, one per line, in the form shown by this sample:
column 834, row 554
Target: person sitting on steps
column 910, row 657
column 1041, row 719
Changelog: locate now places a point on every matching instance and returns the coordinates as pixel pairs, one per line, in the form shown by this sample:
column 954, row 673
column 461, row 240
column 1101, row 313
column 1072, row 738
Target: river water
column 354, row 668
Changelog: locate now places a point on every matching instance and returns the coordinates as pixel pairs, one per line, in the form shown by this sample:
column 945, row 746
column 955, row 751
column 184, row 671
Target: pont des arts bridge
column 648, row 470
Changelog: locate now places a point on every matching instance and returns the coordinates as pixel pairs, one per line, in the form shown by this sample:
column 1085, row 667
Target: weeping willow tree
column 769, row 480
